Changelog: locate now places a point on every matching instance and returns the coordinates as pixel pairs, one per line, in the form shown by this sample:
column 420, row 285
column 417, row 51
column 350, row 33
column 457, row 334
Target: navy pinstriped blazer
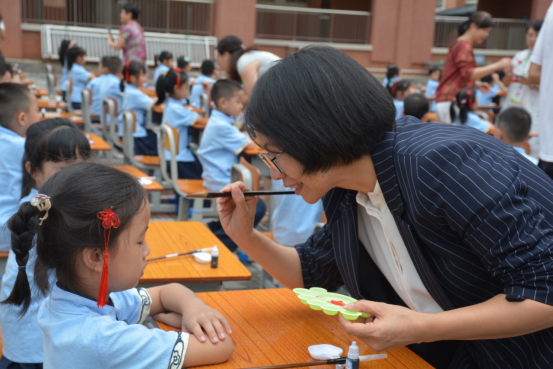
column 476, row 218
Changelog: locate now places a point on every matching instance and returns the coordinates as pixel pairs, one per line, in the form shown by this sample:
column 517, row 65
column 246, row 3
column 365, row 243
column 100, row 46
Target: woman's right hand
column 237, row 213
column 504, row 63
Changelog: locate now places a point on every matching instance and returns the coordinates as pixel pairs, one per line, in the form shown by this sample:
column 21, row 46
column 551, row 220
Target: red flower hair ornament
column 110, row 219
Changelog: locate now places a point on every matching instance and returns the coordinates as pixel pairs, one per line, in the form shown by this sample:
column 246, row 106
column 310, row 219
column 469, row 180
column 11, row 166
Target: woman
column 521, row 92
column 244, row 65
column 131, row 35
column 460, row 68
column 444, row 220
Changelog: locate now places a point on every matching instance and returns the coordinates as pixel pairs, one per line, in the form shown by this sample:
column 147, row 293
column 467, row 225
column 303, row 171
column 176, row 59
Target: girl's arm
column 496, row 79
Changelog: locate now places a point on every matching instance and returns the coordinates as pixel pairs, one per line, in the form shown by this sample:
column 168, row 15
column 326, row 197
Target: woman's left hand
column 389, row 326
column 198, row 317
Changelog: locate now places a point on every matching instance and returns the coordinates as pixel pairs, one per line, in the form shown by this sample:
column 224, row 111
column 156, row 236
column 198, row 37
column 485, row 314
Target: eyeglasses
column 270, row 161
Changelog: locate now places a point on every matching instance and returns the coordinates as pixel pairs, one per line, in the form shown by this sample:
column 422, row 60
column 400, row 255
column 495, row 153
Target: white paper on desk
column 145, row 181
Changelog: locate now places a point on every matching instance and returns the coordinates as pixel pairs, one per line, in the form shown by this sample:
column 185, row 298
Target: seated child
column 134, row 76
column 62, row 52
column 434, row 75
column 467, row 102
column 221, row 144
column 183, row 63
column 208, row 67
column 490, row 87
column 165, row 59
column 400, row 90
column 111, row 87
column 417, row 106
column 94, row 86
column 6, row 72
column 76, row 60
column 513, row 126
column 18, row 111
column 92, row 317
column 50, row 145
column 392, row 74
column 171, row 89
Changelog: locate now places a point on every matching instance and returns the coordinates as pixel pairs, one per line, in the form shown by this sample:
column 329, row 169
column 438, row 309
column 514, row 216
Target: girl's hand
column 171, row 319
column 389, row 326
column 199, row 318
column 237, row 213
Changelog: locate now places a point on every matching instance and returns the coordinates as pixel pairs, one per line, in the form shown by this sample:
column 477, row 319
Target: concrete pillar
column 539, row 8
column 236, row 18
column 12, row 46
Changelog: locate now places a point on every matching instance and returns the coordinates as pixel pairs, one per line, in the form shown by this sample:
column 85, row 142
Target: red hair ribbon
column 469, row 94
column 127, row 70
column 394, row 88
column 178, row 71
column 110, row 219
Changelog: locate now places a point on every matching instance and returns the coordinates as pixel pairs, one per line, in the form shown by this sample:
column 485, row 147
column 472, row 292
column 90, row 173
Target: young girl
column 166, row 63
column 399, row 90
column 183, row 63
column 491, row 86
column 466, row 102
column 50, row 145
column 62, row 52
column 86, row 215
column 392, row 74
column 171, row 89
column 76, row 60
column 134, row 76
column 434, row 75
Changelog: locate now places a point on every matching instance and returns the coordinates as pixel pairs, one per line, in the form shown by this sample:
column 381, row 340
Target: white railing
column 310, row 24
column 506, row 34
column 93, row 40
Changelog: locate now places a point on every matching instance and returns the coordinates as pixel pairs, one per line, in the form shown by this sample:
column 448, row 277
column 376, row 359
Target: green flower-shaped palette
column 330, row 303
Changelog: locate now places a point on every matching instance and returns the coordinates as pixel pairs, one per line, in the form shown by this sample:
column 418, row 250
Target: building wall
column 12, row 46
column 32, row 48
column 235, row 17
column 360, row 5
column 514, row 9
column 539, row 8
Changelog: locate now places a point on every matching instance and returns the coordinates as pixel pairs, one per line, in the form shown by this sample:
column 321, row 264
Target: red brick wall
column 31, row 48
column 539, row 8
column 12, row 46
column 235, row 17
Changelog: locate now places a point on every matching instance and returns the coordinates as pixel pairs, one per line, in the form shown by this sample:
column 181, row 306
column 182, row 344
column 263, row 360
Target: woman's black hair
column 397, row 86
column 165, row 84
column 164, row 55
column 465, row 101
column 52, row 140
column 536, row 25
column 62, row 51
column 77, row 193
column 392, row 71
column 131, row 8
column 320, row 107
column 73, row 54
column 183, row 61
column 233, row 46
column 131, row 69
column 481, row 19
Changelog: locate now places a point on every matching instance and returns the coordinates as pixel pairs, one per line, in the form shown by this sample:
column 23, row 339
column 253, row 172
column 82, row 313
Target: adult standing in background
column 244, row 65
column 460, row 68
column 541, row 72
column 131, row 36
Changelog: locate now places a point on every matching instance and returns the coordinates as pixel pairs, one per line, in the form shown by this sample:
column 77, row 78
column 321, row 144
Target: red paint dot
column 337, row 302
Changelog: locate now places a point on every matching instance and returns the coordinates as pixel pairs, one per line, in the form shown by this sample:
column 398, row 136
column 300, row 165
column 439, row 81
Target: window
column 440, row 5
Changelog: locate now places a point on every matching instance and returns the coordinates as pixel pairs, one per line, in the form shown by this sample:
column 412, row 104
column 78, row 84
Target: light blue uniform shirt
column 523, row 153
column 111, row 87
column 139, row 102
column 64, row 76
column 221, row 143
column 94, row 85
column 431, row 88
column 12, row 148
column 79, row 335
column 486, row 99
column 399, row 108
column 22, row 336
column 80, row 77
column 474, row 121
column 180, row 118
column 293, row 218
column 197, row 90
column 160, row 69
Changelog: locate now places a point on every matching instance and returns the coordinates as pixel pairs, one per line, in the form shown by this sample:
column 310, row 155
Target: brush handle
column 213, row 195
column 300, row 365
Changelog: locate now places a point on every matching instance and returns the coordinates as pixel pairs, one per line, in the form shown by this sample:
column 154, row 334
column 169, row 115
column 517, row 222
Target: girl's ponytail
column 465, row 101
column 167, row 82
column 23, row 226
column 160, row 89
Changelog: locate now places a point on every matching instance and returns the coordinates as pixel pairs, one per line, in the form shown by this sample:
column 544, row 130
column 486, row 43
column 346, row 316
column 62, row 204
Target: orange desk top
column 39, row 91
column 255, row 151
column 137, row 173
column 97, row 143
column 273, row 327
column 4, row 255
column 72, row 117
column 27, row 82
column 166, row 238
column 50, row 104
column 149, row 91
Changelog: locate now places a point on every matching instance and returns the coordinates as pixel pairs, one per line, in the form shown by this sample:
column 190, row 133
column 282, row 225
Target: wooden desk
column 39, row 91
column 3, row 263
column 160, row 108
column 50, row 104
column 166, row 238
column 97, row 143
column 27, row 82
column 72, row 117
column 149, row 91
column 273, row 327
column 253, row 152
column 137, row 173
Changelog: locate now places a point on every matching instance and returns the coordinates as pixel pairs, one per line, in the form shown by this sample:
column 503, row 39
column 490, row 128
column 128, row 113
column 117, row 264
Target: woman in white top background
column 244, row 65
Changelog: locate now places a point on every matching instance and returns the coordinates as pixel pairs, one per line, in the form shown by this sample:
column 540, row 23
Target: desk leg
column 184, row 208
column 157, row 207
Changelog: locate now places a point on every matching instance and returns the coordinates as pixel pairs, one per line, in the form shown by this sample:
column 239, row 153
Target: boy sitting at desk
column 513, row 127
column 221, row 144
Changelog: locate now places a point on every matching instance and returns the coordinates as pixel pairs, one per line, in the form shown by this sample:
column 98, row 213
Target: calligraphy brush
column 180, row 254
column 341, row 360
column 212, row 195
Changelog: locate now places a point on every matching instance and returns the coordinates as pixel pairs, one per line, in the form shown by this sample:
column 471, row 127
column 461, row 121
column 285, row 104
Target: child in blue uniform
column 50, row 146
column 490, row 88
column 111, row 87
column 62, row 52
column 95, row 84
column 171, row 89
column 134, row 76
column 416, row 105
column 399, row 91
column 208, row 67
column 513, row 126
column 467, row 102
column 434, row 75
column 92, row 316
column 165, row 64
column 76, row 61
column 18, row 111
column 392, row 74
column 221, row 144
